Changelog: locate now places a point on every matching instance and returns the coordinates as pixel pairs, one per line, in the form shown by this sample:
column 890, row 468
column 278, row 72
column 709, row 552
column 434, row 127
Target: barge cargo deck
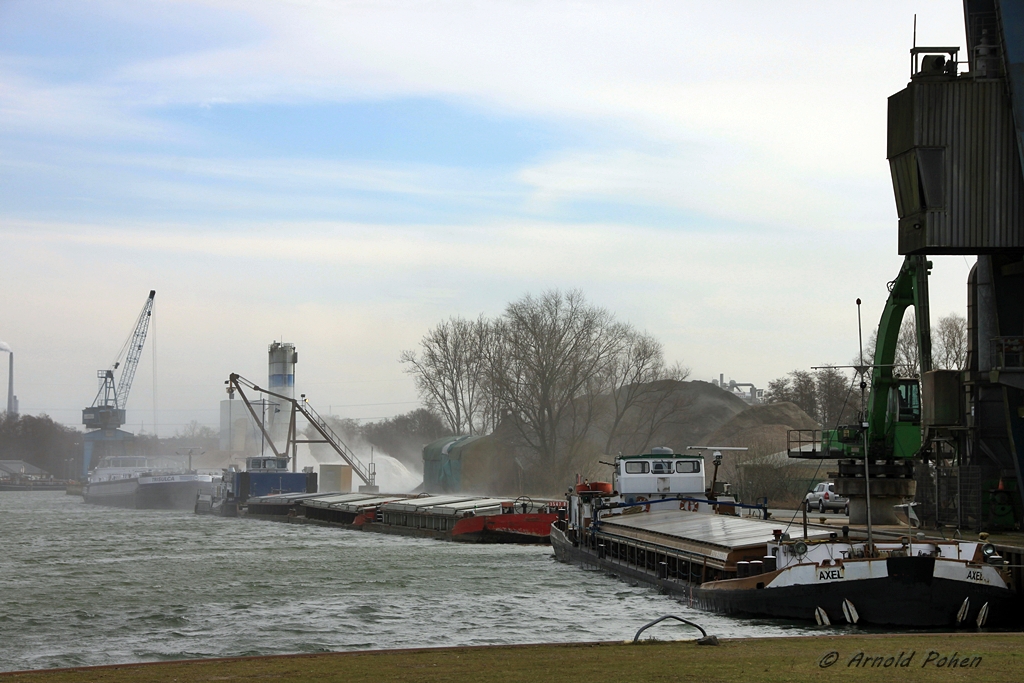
column 452, row 517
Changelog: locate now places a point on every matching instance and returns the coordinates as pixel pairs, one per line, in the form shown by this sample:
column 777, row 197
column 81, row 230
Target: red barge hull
column 451, row 518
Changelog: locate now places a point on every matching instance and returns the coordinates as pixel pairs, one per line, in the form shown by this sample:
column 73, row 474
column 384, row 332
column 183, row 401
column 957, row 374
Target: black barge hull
column 908, row 597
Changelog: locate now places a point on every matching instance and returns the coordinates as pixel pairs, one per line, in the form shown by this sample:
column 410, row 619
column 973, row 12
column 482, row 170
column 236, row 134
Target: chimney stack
column 12, row 409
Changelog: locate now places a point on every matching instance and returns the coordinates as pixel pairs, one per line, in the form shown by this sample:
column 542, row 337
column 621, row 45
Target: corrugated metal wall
column 955, row 169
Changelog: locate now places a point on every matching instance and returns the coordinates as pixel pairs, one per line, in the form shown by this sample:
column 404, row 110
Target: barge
column 34, row 485
column 691, row 543
column 142, row 483
column 451, row 517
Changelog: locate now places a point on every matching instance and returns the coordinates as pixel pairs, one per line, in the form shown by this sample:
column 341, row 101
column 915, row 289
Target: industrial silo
column 281, row 381
column 282, row 369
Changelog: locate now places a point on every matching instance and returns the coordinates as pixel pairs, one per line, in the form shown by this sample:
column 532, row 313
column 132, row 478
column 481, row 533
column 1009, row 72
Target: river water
column 84, row 585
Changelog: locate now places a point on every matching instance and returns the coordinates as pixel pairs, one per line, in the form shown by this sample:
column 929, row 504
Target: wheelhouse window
column 687, row 466
column 638, row 467
column 661, row 467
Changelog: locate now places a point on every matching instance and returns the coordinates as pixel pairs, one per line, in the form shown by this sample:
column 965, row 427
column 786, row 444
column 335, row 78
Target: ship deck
column 716, row 537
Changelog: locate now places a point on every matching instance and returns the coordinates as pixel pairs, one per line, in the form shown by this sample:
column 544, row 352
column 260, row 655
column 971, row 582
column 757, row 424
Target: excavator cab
column 903, row 418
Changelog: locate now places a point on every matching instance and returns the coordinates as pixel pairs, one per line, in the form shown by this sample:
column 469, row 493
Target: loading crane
column 956, row 156
column 107, row 412
column 301, row 406
column 108, row 408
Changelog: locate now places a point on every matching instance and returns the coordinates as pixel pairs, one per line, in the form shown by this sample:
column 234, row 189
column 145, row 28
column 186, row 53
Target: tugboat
column 657, row 524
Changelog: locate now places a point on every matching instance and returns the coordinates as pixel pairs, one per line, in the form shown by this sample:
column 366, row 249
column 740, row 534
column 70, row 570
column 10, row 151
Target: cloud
column 787, row 77
column 702, row 182
column 72, row 111
column 757, row 128
column 794, row 77
column 691, row 104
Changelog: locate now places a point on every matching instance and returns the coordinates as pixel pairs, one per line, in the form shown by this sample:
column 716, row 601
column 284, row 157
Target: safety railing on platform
column 362, row 471
column 803, row 443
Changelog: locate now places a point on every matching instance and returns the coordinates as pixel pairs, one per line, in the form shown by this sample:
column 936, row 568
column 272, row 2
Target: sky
column 345, row 175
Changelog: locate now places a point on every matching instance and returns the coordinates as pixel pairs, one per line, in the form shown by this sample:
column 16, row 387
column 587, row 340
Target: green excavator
column 891, row 416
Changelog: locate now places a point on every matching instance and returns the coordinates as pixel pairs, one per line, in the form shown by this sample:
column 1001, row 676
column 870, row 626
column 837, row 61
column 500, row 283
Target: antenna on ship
column 716, row 456
column 863, row 409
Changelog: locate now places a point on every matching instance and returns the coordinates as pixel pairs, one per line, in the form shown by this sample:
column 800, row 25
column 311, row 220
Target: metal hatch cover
column 722, row 531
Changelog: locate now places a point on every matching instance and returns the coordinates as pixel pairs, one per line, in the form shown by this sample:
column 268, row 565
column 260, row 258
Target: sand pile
column 762, row 427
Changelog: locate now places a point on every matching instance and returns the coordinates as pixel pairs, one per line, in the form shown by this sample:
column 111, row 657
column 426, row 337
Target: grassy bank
column 925, row 657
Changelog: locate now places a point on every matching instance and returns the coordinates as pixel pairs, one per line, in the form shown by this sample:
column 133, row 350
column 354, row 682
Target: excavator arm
column 894, row 404
column 893, row 407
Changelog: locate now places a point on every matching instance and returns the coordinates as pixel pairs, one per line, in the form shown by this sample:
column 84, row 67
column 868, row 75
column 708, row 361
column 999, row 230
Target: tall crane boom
column 108, row 408
column 136, row 341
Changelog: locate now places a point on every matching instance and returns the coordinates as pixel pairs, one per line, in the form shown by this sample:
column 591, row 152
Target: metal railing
column 1008, row 353
column 669, row 616
column 760, row 507
column 365, row 473
column 803, row 443
column 822, row 443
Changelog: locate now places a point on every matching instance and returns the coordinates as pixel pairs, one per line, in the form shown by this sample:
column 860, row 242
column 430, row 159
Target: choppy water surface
column 90, row 585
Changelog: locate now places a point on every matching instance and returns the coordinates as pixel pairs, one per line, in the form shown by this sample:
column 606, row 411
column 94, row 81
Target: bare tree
column 629, row 377
column 869, row 350
column 908, row 357
column 805, row 392
column 835, row 400
column 823, row 394
column 950, row 342
column 779, row 390
column 451, row 373
column 194, row 430
column 558, row 378
column 548, row 358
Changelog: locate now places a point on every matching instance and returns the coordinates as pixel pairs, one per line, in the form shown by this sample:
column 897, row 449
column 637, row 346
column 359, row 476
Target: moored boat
column 34, row 485
column 138, row 482
column 262, row 476
column 690, row 544
column 454, row 517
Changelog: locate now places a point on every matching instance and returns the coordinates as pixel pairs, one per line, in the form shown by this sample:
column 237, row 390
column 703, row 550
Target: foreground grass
column 994, row 657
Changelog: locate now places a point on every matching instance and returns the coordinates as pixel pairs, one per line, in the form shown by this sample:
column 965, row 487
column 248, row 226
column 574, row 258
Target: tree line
column 556, row 374
column 832, row 396
column 40, row 441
